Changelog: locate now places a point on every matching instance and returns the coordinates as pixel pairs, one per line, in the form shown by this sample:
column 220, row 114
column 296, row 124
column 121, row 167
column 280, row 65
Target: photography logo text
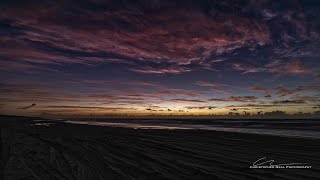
column 264, row 163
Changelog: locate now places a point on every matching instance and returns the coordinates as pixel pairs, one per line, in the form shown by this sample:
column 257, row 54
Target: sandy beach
column 70, row 151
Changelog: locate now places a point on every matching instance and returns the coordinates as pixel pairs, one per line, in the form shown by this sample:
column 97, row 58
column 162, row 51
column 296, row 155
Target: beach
column 85, row 152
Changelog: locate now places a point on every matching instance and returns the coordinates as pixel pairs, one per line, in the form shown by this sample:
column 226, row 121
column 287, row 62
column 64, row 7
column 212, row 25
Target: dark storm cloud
column 181, row 36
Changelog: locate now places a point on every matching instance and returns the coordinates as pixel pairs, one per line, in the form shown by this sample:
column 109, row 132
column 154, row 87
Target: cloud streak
column 169, row 70
column 235, row 99
column 133, row 34
column 28, row 107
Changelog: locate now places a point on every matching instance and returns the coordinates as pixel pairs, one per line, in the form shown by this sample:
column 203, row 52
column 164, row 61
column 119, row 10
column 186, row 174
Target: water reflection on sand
column 257, row 129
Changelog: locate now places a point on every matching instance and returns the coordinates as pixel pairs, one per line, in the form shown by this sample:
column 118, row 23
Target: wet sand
column 69, row 152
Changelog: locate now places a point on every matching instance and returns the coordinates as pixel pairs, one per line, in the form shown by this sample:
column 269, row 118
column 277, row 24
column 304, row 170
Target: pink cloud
column 170, row 70
column 260, row 90
column 186, row 100
column 205, row 84
column 171, row 35
column 283, row 91
column 275, row 67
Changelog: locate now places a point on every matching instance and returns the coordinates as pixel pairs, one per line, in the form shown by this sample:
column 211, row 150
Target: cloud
column 235, row 99
column 142, row 83
column 28, row 107
column 200, row 107
column 205, row 84
column 215, row 89
column 239, row 109
column 186, row 100
column 300, row 99
column 308, row 88
column 260, row 90
column 131, row 53
column 190, row 94
column 280, row 67
column 187, row 35
column 115, row 82
column 221, row 91
column 282, row 91
column 310, row 99
column 246, row 68
column 89, row 108
column 252, row 106
column 289, row 102
column 170, row 70
column 290, row 67
column 117, row 97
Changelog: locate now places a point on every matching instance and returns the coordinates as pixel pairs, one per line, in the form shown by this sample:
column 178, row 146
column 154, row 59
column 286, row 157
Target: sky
column 191, row 57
